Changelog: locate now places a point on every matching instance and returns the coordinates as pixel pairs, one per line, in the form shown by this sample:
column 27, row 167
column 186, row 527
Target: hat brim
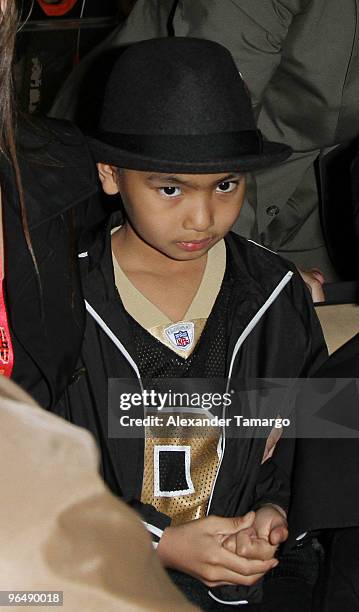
column 272, row 153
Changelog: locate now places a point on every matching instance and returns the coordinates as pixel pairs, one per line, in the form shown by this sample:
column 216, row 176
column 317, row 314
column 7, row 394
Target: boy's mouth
column 195, row 245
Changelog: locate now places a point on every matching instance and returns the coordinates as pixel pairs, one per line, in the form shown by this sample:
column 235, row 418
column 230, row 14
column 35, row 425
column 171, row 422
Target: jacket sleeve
column 275, row 475
column 316, row 351
column 253, row 31
column 273, row 484
column 155, row 522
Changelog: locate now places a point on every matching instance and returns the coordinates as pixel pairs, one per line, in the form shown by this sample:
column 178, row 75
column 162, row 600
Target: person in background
column 299, row 59
column 48, row 189
column 301, row 71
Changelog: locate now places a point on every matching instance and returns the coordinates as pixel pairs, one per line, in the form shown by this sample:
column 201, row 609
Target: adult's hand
column 314, row 280
column 271, row 524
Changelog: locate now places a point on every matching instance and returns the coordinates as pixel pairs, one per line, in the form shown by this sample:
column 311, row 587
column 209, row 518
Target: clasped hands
column 218, row 551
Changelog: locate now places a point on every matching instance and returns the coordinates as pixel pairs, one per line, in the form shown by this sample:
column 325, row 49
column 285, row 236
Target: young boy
column 171, row 294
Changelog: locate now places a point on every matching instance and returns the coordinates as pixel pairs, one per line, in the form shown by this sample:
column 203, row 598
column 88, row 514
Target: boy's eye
column 170, row 192
column 226, row 186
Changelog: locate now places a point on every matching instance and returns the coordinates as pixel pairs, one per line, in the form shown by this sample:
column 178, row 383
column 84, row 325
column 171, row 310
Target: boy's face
column 180, row 215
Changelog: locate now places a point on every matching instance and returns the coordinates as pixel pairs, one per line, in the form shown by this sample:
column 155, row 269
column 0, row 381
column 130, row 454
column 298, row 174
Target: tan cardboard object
column 61, row 529
column 339, row 323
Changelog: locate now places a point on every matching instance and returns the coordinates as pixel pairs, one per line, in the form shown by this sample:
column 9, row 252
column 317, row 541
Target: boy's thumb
column 278, row 535
column 237, row 523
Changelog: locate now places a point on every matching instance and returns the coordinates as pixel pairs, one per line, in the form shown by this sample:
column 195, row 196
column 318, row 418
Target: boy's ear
column 108, row 178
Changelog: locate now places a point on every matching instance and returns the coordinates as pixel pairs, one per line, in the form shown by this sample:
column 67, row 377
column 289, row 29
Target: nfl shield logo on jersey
column 182, row 338
column 181, row 335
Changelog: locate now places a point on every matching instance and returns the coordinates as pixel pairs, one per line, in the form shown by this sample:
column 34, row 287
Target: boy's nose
column 199, row 216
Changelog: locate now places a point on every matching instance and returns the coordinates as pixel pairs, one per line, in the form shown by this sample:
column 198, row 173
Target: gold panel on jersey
column 198, row 457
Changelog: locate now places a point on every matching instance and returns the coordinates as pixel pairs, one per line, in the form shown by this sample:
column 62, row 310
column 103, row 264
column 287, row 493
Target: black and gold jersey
column 180, row 463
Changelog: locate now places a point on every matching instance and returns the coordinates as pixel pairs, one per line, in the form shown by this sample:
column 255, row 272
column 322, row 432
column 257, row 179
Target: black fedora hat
column 180, row 105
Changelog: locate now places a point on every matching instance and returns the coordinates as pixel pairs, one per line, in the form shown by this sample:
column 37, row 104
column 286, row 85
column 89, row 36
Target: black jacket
column 274, row 334
column 326, row 470
column 46, row 315
column 325, row 482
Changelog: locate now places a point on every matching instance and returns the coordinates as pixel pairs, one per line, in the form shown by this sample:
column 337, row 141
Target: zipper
column 244, row 335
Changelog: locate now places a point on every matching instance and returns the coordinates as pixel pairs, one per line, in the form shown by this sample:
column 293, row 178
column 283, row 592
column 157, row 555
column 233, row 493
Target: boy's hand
column 247, row 544
column 261, row 540
column 271, row 524
column 196, row 549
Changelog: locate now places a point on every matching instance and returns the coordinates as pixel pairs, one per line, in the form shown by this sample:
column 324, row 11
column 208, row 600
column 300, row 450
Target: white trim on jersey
column 157, row 491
